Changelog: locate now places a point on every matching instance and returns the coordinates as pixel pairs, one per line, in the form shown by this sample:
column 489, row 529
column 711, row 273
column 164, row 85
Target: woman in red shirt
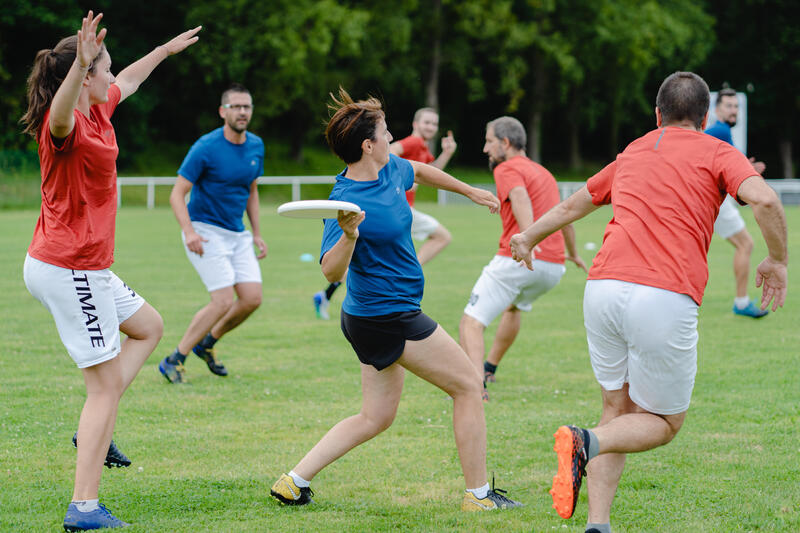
column 71, row 97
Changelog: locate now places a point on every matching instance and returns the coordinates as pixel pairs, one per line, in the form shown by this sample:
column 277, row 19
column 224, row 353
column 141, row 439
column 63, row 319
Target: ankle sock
column 331, row 289
column 480, row 492
column 598, row 528
column 742, row 302
column 590, row 444
column 489, row 367
column 300, row 482
column 176, row 357
column 208, row 341
column 86, row 506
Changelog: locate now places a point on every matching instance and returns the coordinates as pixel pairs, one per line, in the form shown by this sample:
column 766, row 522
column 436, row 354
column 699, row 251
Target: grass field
column 205, row 454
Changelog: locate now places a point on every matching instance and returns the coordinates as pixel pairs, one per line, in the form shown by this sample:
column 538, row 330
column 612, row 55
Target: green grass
column 206, row 454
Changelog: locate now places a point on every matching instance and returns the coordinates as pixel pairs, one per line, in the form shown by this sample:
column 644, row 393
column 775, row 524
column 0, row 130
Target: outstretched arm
column 768, row 212
column 430, row 175
column 134, row 74
column 576, row 206
column 90, row 42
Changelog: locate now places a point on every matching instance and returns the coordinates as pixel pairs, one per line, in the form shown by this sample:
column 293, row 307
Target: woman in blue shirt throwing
column 381, row 315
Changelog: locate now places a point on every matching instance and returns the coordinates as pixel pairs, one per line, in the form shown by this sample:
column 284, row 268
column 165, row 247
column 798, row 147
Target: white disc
column 316, row 208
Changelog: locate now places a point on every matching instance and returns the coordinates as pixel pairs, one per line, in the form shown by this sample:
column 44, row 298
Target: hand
column 772, row 275
column 578, row 261
column 89, row 41
column 262, row 247
column 484, row 197
column 449, row 143
column 182, row 41
column 758, row 165
column 349, row 222
column 194, row 242
column 521, row 250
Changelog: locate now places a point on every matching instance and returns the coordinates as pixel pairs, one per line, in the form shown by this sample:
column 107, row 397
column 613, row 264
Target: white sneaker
column 321, row 304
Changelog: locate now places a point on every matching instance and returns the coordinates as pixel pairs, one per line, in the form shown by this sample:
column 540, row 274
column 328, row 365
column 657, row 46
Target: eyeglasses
column 238, row 107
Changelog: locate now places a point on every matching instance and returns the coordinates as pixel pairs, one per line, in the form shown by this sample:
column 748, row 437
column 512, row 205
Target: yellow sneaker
column 285, row 491
column 494, row 499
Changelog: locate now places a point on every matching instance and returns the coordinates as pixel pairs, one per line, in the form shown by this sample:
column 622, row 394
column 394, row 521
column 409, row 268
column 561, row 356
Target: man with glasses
column 220, row 171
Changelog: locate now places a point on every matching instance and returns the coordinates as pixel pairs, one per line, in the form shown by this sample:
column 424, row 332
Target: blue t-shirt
column 384, row 275
column 722, row 131
column 221, row 174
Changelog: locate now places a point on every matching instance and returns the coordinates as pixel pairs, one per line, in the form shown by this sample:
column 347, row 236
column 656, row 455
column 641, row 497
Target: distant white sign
column 739, row 132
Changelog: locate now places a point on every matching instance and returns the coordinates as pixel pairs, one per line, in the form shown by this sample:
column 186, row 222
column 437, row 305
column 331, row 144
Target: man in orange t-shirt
column 647, row 282
column 526, row 191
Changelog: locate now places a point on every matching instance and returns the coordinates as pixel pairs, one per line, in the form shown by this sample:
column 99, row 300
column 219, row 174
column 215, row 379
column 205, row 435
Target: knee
column 470, row 325
column 674, row 424
column 222, row 303
column 378, row 422
column 251, row 302
column 156, row 327
column 443, row 235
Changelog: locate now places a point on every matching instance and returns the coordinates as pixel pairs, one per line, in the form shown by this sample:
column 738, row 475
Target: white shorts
column 87, row 305
column 729, row 222
column 644, row 336
column 504, row 282
column 228, row 257
column 422, row 225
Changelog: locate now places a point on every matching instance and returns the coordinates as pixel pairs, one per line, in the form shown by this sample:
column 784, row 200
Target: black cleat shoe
column 210, row 357
column 114, row 457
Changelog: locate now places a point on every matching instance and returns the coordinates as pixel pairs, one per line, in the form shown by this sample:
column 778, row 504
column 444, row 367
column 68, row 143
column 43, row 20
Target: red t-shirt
column 519, row 171
column 415, row 149
column 79, row 191
column 666, row 189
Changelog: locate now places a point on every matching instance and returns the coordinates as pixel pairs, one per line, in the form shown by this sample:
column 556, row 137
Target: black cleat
column 114, row 458
column 210, row 357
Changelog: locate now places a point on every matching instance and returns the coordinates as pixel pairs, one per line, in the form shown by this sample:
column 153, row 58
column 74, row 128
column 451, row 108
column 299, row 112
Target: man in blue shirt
column 729, row 224
column 220, row 171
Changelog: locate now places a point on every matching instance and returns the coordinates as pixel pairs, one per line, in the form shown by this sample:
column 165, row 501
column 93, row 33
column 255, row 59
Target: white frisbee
column 316, row 208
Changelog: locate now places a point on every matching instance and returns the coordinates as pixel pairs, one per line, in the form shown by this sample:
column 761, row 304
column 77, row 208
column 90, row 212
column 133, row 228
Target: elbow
column 768, row 201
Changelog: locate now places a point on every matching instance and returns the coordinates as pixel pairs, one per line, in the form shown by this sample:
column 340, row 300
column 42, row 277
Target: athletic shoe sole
column 571, row 469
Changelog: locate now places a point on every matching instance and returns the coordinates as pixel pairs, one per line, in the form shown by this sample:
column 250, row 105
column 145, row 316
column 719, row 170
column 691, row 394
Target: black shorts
column 380, row 340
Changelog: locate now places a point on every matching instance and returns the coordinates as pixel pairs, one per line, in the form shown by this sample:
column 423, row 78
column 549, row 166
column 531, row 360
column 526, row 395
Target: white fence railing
column 788, row 190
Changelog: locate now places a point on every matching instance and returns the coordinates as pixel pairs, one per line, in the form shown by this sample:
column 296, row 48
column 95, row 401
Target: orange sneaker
column 571, row 469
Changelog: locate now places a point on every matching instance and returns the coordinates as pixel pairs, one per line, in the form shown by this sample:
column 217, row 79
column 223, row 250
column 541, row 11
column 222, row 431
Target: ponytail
column 49, row 70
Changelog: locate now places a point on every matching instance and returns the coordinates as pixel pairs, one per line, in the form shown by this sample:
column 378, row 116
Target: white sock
column 480, row 492
column 741, row 302
column 86, row 506
column 300, row 482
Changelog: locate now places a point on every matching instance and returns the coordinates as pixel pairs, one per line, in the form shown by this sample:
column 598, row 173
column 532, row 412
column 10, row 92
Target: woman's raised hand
column 90, row 42
column 182, row 41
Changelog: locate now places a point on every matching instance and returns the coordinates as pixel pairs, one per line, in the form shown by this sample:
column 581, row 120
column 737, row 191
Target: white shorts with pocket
column 422, row 225
column 88, row 306
column 646, row 337
column 505, row 282
column 228, row 257
column 729, row 221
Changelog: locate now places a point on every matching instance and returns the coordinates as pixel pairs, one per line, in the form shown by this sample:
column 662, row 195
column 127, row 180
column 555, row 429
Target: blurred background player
column 220, row 170
column 730, row 224
column 425, row 228
column 72, row 96
column 526, row 191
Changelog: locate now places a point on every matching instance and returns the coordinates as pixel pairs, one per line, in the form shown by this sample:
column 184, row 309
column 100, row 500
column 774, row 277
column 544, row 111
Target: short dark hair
column 352, row 123
column 683, row 96
column 233, row 88
column 727, row 91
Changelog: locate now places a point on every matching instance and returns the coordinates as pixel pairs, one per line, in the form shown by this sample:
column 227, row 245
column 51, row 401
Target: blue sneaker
column 98, row 519
column 172, row 373
column 321, row 304
column 752, row 310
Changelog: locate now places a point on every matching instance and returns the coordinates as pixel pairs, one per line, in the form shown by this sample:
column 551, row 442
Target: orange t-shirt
column 79, row 191
column 666, row 188
column 415, row 149
column 519, row 171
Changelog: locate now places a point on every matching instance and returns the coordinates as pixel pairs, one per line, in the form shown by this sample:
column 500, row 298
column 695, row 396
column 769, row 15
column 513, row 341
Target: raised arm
column 430, row 175
column 134, row 74
column 448, row 149
column 255, row 225
column 337, row 259
column 769, row 215
column 62, row 119
column 576, row 206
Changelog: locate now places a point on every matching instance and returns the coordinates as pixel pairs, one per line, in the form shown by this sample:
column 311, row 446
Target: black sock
column 176, row 357
column 489, row 367
column 331, row 289
column 208, row 342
